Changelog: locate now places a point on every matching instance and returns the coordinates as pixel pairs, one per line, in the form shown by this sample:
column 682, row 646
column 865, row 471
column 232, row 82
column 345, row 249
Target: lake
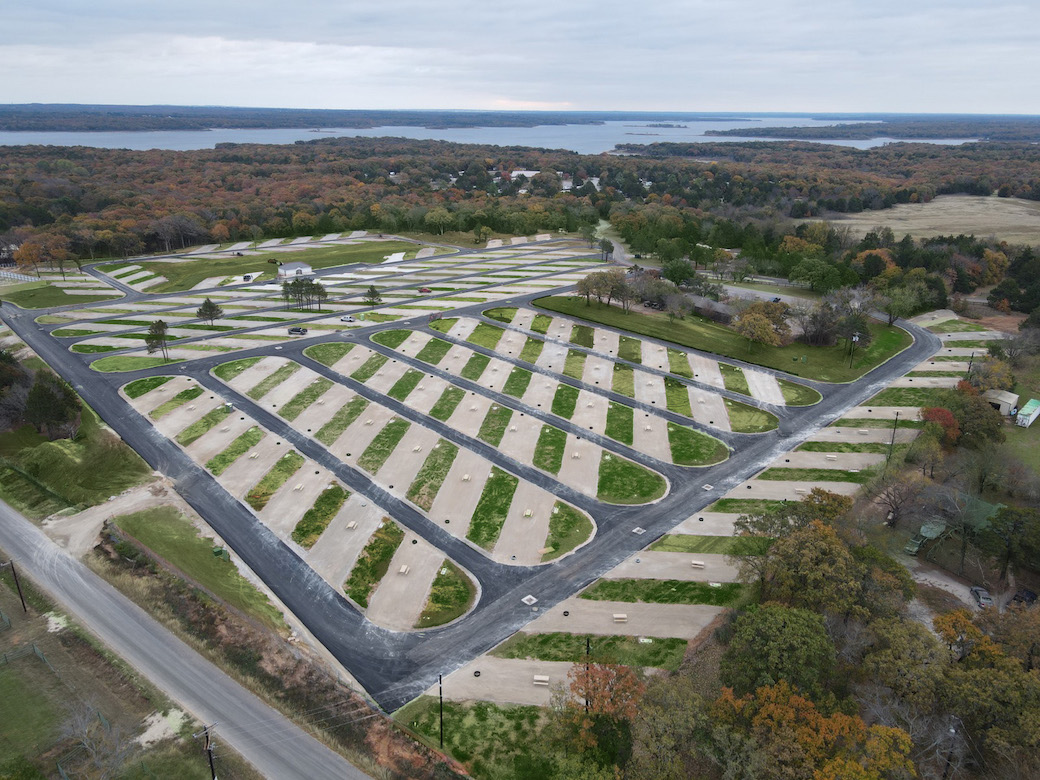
column 584, row 139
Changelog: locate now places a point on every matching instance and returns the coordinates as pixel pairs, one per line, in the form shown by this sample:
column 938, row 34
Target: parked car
column 776, row 300
column 297, row 331
column 981, row 596
column 425, row 290
column 347, row 318
column 247, row 278
column 1024, row 596
column 914, row 545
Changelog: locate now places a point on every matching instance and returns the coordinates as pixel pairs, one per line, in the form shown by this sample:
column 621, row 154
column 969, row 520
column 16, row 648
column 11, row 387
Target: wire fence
column 5, row 622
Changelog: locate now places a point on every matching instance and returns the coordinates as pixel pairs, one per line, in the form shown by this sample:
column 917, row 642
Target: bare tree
column 106, row 744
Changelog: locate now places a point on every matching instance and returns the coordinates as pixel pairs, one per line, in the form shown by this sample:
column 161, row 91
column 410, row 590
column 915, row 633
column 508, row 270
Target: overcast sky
column 683, row 55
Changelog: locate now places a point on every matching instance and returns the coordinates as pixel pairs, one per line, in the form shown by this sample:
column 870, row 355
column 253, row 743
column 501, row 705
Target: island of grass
column 744, row 418
column 328, row 354
column 564, row 401
column 728, row 594
column 341, row 420
column 502, row 314
column 139, row 387
column 121, row 363
column 373, row 562
column 489, row 515
column 485, row 335
column 661, row 653
column 712, row 545
column 203, row 425
column 619, row 422
column 825, row 364
column 316, row 519
column 693, row 448
column 177, row 401
column 474, row 367
column 239, row 447
column 228, row 371
column 391, row 338
column 41, row 295
column 548, row 452
column 623, row 482
column 185, row 274
column 383, row 445
column 451, row 596
column 296, row 405
column 272, row 380
column 443, row 325
column 798, row 395
column 428, row 481
column 446, row 404
column 280, row 473
column 433, row 351
column 569, row 528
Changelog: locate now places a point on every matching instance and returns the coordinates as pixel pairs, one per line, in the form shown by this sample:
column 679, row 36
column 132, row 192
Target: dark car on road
column 981, row 596
column 297, row 331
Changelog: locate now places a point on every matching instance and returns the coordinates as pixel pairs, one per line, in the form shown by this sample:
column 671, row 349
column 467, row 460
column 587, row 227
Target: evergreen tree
column 156, row 339
column 209, row 311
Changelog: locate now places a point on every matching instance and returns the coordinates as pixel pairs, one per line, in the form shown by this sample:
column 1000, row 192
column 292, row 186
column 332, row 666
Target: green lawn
column 623, row 482
column 433, row 351
column 139, row 387
column 909, row 396
column 625, row 650
column 734, row 380
column 383, row 445
column 183, row 275
column 679, row 363
column 373, row 562
column 798, row 395
column 630, row 349
column 270, row 382
column 183, row 397
column 494, row 425
column 847, row 446
column 583, row 336
column 693, row 448
column 42, row 296
column 296, row 405
column 502, row 314
column 204, row 424
column 228, row 371
column 873, row 422
column 826, row 364
column 619, row 422
column 71, row 333
column 744, row 418
column 404, row 386
column 451, row 596
column 368, row 369
column 955, row 326
column 175, row 539
column 239, row 447
column 280, row 473
column 541, row 323
column 490, row 513
column 532, row 349
column 574, row 364
column 485, row 335
column 664, row 592
column 714, row 545
column 316, row 519
column 624, row 380
column 341, row 420
column 328, row 354
column 92, row 349
column 118, row 363
column 428, row 481
column 548, row 452
column 444, row 325
column 564, row 401
column 741, row 506
column 817, row 475
column 445, row 406
column 32, row 699
column 568, row 528
column 391, row 338
column 474, row 366
column 677, row 397
column 517, row 381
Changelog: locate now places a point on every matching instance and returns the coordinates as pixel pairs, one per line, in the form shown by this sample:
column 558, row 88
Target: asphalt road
column 397, row 666
column 268, row 740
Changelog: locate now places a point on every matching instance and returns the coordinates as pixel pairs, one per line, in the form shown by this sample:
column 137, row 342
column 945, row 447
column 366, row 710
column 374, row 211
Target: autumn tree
column 156, row 339
column 596, row 717
column 813, row 569
column 756, row 329
column 944, row 418
column 209, row 311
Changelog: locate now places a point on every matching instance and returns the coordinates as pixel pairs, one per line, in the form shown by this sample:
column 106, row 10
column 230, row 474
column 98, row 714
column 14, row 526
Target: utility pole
column 852, row 351
column 208, row 747
column 440, row 693
column 892, row 443
column 588, row 652
column 970, row 361
column 17, row 584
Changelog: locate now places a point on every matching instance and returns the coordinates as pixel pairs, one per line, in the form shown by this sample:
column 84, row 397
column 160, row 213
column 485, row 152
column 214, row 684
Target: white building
column 294, row 271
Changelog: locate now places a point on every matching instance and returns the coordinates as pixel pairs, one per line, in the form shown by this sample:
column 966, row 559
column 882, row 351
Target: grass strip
column 713, row 545
column 295, row 406
column 490, row 513
column 798, row 395
column 630, row 349
column 403, row 386
column 677, row 397
column 391, row 338
column 623, row 482
column 871, row 422
column 228, row 371
column 745, row 506
column 373, row 562
column 664, row 592
column 93, row 349
column 734, row 380
column 816, row 475
column 501, row 314
column 316, row 519
column 955, row 326
column 272, row 381
column 548, row 452
column 658, row 653
column 541, row 323
column 474, row 366
column 679, row 363
column 532, row 350
column 328, row 354
column 435, row 468
column 565, row 401
column 909, row 396
column 693, row 448
column 485, row 335
column 273, row 480
column 444, row 325
column 341, row 420
column 494, row 425
column 569, row 527
column 239, row 447
column 517, row 382
column 368, row 369
column 433, row 351
column 177, row 401
column 383, row 445
column 624, row 381
column 744, row 418
column 451, row 596
column 874, row 447
column 139, row 387
column 71, row 333
column 574, row 364
column 203, row 425
column 445, row 406
column 619, row 422
column 583, row 336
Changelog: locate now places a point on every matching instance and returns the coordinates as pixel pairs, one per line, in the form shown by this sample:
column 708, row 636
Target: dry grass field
column 1009, row 219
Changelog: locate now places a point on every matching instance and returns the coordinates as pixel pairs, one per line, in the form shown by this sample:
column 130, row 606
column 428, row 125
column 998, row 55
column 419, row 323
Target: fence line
column 17, row 277
column 5, row 622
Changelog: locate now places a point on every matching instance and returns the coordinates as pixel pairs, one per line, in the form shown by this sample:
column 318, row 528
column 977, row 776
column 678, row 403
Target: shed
column 1028, row 413
column 294, row 270
column 1001, row 400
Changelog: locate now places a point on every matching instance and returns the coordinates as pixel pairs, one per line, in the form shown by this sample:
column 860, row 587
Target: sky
column 914, row 56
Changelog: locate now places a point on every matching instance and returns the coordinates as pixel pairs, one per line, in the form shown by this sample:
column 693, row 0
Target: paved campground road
column 268, row 740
